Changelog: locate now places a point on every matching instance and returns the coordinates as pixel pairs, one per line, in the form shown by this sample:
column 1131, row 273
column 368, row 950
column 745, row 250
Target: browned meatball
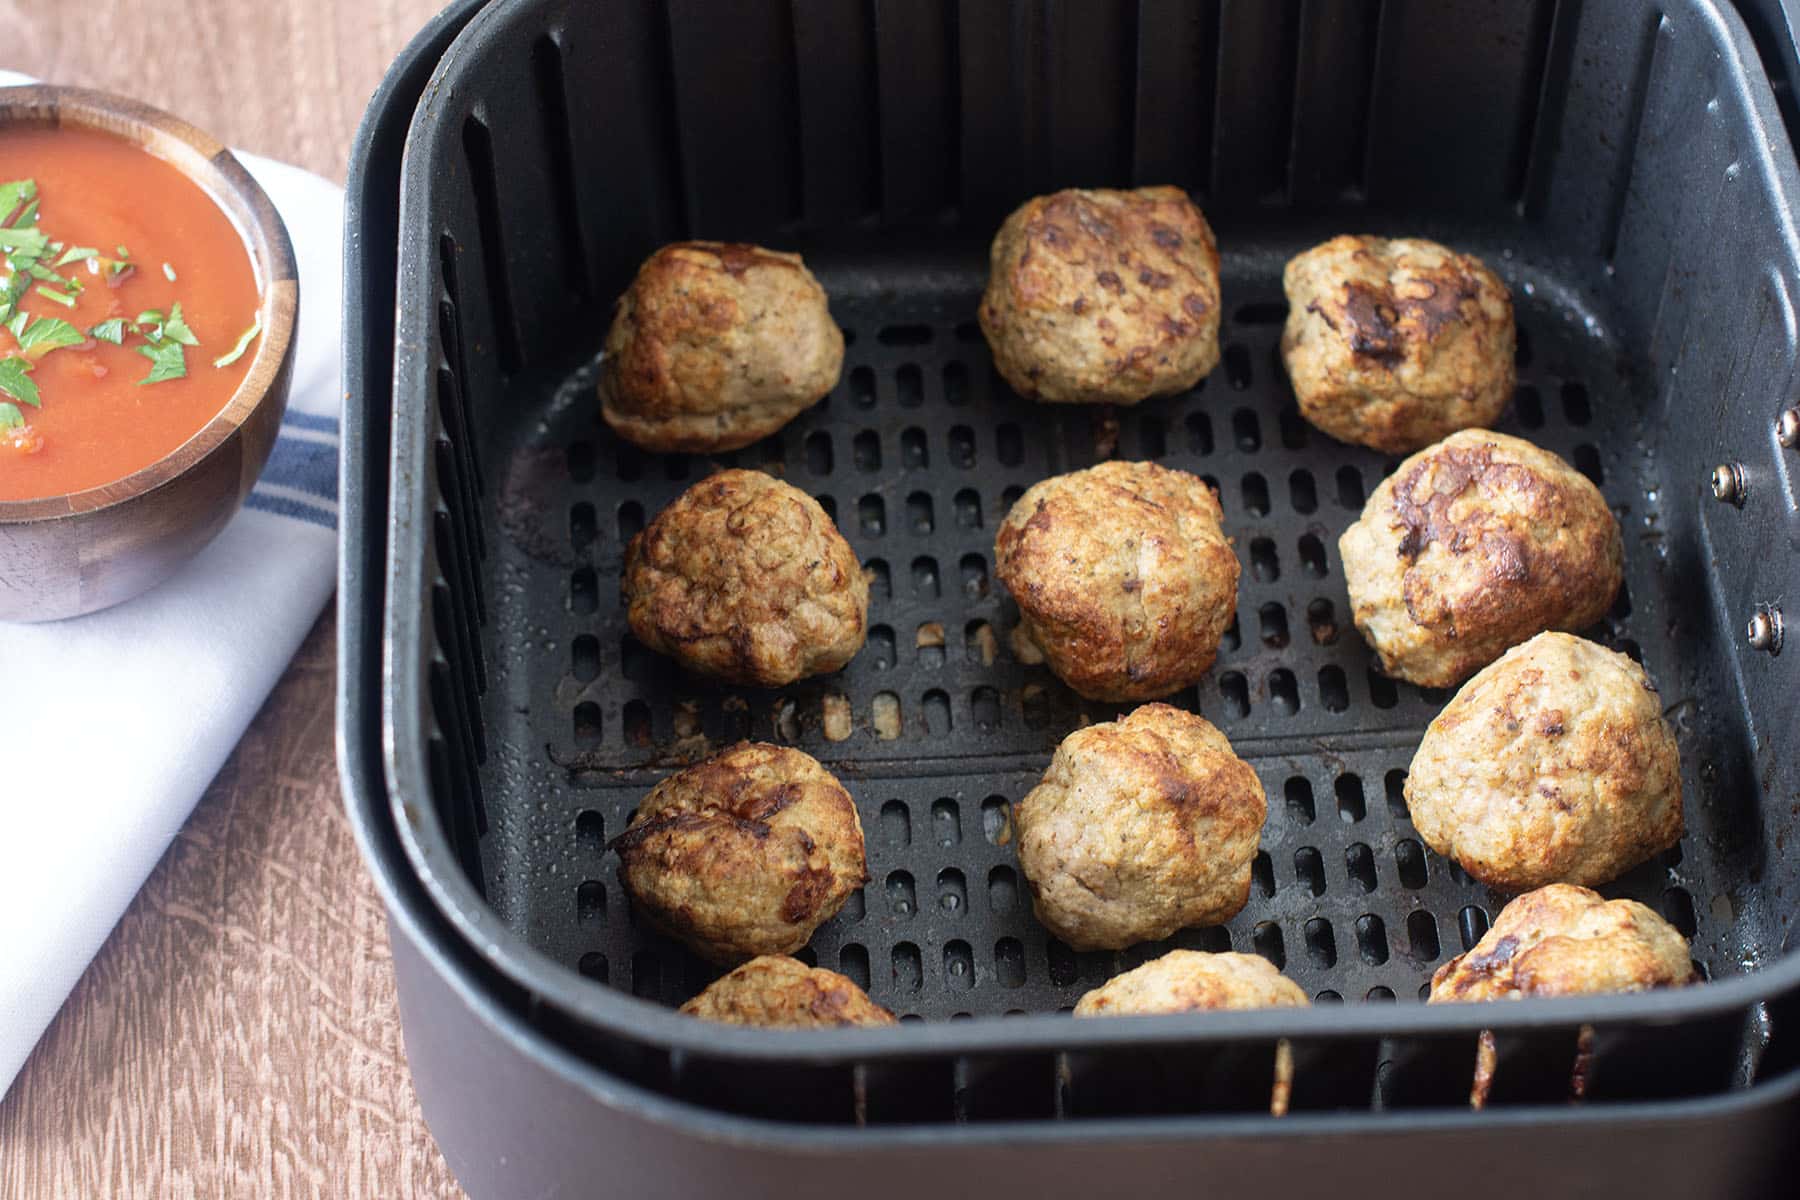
column 1123, row 577
column 781, row 992
column 1394, row 344
column 1103, row 297
column 745, row 853
column 1563, row 940
column 1553, row 765
column 1472, row 546
column 1193, row 981
column 716, row 345
column 1140, row 827
column 745, row 578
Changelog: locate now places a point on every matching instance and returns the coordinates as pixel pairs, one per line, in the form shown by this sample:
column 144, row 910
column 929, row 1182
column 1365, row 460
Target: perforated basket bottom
column 936, row 727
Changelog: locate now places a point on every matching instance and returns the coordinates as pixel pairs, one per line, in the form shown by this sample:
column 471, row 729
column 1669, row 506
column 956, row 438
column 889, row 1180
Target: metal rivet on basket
column 1728, row 483
column 1764, row 630
column 1787, row 428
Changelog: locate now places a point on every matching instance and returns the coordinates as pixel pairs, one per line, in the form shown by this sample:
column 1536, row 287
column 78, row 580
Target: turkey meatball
column 781, row 992
column 1553, row 765
column 1563, row 940
column 1395, row 344
column 744, row 578
column 1140, row 827
column 745, row 853
column 1103, row 297
column 1123, row 577
column 1472, row 546
column 1193, row 981
column 716, row 345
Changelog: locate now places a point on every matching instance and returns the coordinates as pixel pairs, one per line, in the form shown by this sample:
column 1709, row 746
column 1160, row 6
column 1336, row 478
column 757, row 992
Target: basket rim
column 460, row 967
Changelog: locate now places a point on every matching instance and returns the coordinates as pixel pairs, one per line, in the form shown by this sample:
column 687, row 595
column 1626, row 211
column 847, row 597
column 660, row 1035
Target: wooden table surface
column 237, row 1036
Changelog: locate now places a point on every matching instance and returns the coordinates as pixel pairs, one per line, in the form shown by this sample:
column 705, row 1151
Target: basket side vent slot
column 478, row 149
column 553, row 103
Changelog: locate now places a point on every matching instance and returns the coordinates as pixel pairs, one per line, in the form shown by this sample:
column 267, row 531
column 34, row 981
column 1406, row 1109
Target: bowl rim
column 211, row 166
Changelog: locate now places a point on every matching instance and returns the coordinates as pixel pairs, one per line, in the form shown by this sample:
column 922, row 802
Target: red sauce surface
column 97, row 424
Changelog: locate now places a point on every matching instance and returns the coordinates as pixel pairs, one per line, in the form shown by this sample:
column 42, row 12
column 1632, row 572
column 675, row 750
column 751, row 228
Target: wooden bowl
column 68, row 555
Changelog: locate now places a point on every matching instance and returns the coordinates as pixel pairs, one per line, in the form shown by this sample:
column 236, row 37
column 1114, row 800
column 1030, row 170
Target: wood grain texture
column 237, row 1035
column 285, row 78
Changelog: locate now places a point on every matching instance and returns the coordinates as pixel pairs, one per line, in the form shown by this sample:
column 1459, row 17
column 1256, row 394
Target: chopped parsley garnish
column 243, row 344
column 165, row 342
column 29, row 256
column 176, row 327
column 168, row 360
column 15, row 381
column 19, row 191
column 46, row 334
column 28, row 240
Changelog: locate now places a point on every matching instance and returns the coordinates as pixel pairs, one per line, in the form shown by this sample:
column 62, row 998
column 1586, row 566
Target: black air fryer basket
column 1621, row 164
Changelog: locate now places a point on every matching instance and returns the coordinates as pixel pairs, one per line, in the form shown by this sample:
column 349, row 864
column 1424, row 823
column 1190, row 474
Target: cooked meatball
column 744, row 853
column 1140, row 827
column 1103, row 297
column 782, row 992
column 1192, row 981
column 1563, row 940
column 716, row 345
column 1472, row 546
column 1123, row 577
column 1394, row 344
column 745, row 578
column 1553, row 765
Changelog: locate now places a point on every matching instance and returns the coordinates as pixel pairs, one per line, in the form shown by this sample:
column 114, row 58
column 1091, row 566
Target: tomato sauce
column 97, row 422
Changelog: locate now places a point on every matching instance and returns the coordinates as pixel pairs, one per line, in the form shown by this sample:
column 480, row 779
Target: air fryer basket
column 1619, row 163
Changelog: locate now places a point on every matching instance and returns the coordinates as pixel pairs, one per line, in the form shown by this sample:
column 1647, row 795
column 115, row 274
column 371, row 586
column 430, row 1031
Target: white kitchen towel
column 115, row 723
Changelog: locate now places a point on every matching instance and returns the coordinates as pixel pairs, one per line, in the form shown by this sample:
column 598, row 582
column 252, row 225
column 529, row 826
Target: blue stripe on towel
column 300, row 480
column 282, row 506
column 301, row 420
column 304, row 465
